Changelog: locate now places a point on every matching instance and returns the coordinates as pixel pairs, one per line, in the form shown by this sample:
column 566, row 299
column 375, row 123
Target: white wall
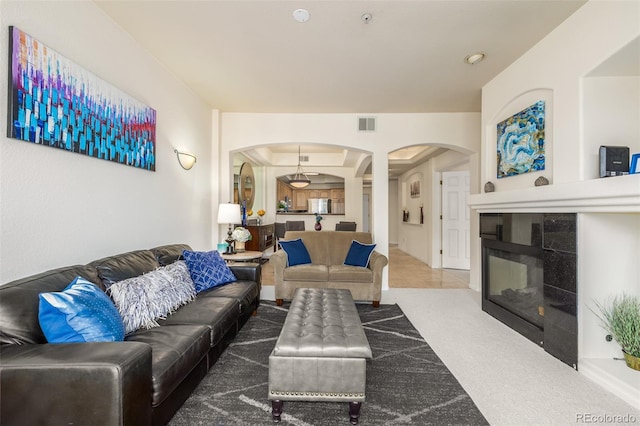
column 453, row 130
column 58, row 208
column 395, row 216
column 585, row 111
column 598, row 233
column 415, row 238
column 553, row 70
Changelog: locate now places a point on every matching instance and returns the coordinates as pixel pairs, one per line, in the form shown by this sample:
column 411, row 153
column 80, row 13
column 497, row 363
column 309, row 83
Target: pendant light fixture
column 300, row 179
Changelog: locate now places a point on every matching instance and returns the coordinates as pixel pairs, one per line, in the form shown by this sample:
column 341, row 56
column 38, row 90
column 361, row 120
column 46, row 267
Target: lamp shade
column 299, row 183
column 229, row 213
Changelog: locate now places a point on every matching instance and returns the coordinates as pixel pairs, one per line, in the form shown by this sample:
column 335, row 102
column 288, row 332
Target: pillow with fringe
column 144, row 299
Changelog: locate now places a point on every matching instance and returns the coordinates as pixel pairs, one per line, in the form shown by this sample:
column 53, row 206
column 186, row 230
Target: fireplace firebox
column 529, row 277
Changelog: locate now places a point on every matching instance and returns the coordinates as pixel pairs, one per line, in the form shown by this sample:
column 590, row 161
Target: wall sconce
column 185, row 159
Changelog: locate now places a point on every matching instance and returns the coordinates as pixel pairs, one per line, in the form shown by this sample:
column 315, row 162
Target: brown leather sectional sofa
column 141, row 381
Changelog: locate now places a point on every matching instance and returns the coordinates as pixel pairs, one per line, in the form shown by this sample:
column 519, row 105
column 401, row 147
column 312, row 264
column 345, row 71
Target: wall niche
column 412, row 196
column 611, row 105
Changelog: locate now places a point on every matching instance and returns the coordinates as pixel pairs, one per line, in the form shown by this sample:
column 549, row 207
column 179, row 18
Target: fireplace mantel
column 620, row 194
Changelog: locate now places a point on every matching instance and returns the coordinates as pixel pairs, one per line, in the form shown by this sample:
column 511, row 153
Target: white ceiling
column 252, row 56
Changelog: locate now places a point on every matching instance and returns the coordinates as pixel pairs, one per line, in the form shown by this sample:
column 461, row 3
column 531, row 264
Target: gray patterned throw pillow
column 144, row 299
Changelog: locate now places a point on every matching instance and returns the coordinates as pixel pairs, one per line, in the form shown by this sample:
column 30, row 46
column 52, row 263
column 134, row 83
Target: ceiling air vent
column 366, row 124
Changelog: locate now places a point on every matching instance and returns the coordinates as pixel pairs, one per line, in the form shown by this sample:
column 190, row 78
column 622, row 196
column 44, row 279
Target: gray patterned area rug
column 406, row 381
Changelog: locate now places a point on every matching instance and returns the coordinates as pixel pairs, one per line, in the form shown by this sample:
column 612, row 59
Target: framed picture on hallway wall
column 57, row 103
column 414, row 189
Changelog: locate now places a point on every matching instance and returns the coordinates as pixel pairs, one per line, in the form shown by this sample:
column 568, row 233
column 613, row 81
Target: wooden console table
column 262, row 237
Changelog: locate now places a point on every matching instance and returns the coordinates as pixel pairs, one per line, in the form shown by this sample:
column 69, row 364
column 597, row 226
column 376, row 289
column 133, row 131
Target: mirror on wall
column 246, row 185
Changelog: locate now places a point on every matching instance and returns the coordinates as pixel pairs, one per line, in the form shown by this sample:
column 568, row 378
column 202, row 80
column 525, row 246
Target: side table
column 245, row 256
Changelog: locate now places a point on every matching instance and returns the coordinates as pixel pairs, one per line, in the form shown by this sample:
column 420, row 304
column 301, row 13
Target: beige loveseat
column 328, row 250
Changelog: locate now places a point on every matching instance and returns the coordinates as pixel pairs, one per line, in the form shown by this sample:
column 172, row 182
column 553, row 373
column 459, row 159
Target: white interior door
column 456, row 240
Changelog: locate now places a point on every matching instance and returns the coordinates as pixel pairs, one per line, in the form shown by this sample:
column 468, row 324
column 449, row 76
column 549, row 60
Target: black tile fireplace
column 529, row 277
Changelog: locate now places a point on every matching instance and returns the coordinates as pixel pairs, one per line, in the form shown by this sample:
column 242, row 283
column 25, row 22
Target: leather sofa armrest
column 76, row 383
column 247, row 271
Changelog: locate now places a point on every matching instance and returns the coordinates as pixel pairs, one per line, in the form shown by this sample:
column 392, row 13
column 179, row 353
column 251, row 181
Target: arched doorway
column 420, row 202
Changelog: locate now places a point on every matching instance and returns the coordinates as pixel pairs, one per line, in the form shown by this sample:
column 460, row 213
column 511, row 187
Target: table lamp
column 229, row 213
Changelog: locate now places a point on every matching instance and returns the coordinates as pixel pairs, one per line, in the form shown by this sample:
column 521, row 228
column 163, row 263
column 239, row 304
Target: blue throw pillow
column 297, row 253
column 80, row 313
column 207, row 269
column 359, row 254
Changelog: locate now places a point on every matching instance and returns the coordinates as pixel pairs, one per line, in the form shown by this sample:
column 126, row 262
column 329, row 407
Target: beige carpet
column 405, row 271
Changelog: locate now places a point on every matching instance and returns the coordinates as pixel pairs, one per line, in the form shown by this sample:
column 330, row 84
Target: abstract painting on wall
column 521, row 142
column 55, row 102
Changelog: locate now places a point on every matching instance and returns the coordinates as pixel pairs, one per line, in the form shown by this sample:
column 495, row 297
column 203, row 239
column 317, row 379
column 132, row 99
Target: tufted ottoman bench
column 321, row 352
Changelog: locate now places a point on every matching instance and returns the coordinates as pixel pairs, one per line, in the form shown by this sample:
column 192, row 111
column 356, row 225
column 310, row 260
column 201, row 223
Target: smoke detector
column 301, row 15
column 366, row 17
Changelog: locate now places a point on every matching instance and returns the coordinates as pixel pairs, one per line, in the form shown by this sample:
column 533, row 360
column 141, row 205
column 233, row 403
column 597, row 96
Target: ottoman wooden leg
column 279, row 302
column 354, row 412
column 276, row 409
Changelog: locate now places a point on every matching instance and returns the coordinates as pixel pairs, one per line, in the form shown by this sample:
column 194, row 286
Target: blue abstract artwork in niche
column 521, row 142
column 55, row 102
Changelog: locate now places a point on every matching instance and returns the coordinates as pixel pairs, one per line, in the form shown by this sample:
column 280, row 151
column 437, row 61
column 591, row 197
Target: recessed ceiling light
column 474, row 58
column 301, row 15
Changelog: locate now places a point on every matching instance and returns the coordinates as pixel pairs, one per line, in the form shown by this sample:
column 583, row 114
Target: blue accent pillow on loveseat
column 359, row 254
column 297, row 253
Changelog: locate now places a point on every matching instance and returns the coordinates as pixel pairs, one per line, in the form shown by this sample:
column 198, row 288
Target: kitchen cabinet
column 300, row 199
column 337, row 195
column 283, row 190
column 318, row 193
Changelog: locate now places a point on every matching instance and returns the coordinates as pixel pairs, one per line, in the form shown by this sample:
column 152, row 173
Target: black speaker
column 614, row 161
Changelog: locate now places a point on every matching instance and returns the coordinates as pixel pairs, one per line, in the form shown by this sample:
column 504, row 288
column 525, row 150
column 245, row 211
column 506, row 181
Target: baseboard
column 614, row 376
